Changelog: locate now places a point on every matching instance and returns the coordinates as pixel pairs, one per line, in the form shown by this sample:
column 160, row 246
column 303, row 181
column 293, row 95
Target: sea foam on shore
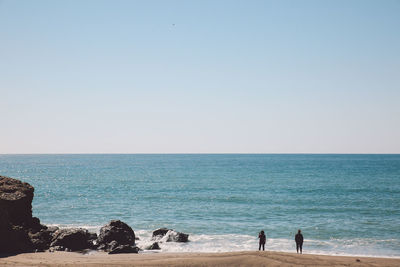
column 215, row 243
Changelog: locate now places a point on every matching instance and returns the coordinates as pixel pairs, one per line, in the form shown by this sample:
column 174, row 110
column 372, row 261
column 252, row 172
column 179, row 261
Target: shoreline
column 151, row 252
column 244, row 258
column 146, row 238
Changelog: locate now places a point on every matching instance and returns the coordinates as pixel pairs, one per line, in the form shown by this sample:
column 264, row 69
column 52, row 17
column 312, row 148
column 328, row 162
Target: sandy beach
column 245, row 258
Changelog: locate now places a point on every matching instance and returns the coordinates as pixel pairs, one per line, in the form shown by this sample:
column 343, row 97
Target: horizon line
column 208, row 153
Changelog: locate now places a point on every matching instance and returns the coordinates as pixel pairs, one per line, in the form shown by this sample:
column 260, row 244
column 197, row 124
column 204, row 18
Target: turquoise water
column 344, row 204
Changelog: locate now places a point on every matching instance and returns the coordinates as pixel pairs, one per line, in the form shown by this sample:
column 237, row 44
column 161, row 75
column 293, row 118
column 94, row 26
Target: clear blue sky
column 199, row 76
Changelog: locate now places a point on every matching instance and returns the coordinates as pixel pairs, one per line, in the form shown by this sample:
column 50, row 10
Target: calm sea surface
column 344, row 204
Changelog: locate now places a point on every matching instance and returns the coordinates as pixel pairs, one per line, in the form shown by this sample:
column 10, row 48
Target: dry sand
column 245, row 258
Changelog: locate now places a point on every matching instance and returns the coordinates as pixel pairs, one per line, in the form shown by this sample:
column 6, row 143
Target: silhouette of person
column 262, row 238
column 299, row 242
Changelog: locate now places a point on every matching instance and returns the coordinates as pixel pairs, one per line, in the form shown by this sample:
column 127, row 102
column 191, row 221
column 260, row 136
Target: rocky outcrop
column 116, row 234
column 72, row 239
column 16, row 221
column 16, row 199
column 20, row 232
column 160, row 232
column 178, row 237
column 41, row 240
column 169, row 235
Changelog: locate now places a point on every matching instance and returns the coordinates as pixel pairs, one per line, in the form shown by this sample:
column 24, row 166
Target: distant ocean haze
column 344, row 204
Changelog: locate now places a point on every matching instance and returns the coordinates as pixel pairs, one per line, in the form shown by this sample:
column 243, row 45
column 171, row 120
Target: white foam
column 234, row 242
column 90, row 228
column 237, row 242
column 201, row 243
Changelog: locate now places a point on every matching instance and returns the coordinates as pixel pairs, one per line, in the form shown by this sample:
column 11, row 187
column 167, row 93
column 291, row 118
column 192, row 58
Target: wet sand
column 245, row 258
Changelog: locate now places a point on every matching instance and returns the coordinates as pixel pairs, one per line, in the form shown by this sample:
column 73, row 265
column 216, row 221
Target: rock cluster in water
column 169, row 235
column 20, row 232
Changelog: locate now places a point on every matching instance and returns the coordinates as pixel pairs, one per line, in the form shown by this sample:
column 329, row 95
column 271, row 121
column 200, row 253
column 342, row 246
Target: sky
column 199, row 76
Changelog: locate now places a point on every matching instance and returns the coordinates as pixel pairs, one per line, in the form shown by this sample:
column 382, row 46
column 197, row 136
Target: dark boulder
column 178, row 237
column 113, row 245
column 16, row 216
column 124, row 249
column 73, row 239
column 92, row 240
column 153, row 246
column 109, row 246
column 41, row 240
column 116, row 231
column 161, row 232
column 170, row 235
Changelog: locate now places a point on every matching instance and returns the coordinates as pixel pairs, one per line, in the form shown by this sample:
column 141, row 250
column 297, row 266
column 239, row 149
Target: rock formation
column 170, row 235
column 72, row 239
column 16, row 221
column 20, row 232
column 116, row 237
column 16, row 199
column 41, row 240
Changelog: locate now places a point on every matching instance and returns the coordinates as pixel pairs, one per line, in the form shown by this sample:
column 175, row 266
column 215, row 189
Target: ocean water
column 344, row 204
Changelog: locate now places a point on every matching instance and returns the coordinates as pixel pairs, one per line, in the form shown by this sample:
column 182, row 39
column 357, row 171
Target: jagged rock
column 161, row 232
column 15, row 215
column 92, row 241
column 108, row 246
column 92, row 236
column 153, row 246
column 178, row 237
column 20, row 232
column 73, row 239
column 124, row 249
column 16, row 198
column 41, row 240
column 116, row 231
column 170, row 234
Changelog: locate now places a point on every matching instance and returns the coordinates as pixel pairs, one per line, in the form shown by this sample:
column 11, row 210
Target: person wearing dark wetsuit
column 299, row 242
column 262, row 238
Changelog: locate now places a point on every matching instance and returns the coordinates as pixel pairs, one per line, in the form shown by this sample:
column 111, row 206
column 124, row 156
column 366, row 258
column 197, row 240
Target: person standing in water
column 262, row 238
column 299, row 242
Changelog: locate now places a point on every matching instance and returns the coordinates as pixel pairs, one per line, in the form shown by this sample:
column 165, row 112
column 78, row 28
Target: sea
column 344, row 204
